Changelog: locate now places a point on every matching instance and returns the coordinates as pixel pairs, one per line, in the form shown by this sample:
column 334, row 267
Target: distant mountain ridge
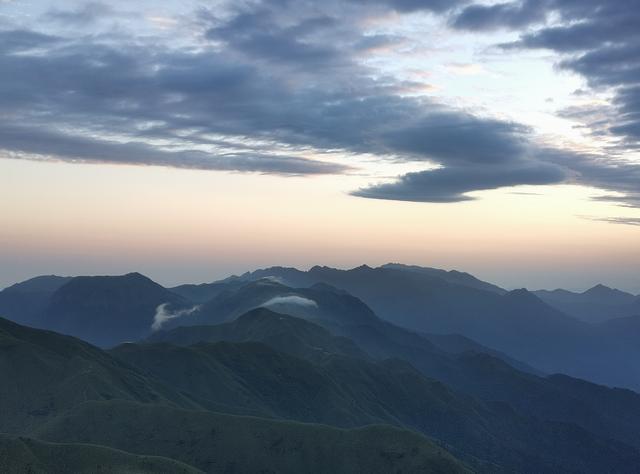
column 103, row 310
column 479, row 374
column 59, row 389
column 160, row 398
column 110, row 310
column 514, row 323
column 450, row 276
column 24, row 302
column 289, row 334
column 595, row 305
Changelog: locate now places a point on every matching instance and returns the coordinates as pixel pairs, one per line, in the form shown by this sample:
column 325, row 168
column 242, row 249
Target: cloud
column 272, row 279
column 12, row 41
column 437, row 6
column 294, row 300
column 500, row 15
column 451, row 184
column 260, row 34
column 163, row 315
column 616, row 220
column 264, row 86
column 598, row 39
column 87, row 13
column 455, row 137
column 48, row 145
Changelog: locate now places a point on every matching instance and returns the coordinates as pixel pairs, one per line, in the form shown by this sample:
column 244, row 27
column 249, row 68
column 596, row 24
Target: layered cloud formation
column 597, row 39
column 272, row 86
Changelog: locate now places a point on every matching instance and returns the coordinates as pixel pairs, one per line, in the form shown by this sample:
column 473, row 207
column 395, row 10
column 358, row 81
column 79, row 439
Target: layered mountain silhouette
column 59, row 389
column 25, row 302
column 595, row 305
column 160, row 399
column 478, row 374
column 451, row 276
column 103, row 310
column 517, row 323
column 390, row 369
column 294, row 336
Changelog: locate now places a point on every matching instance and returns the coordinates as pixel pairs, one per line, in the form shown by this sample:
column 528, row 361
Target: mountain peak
column 363, row 267
column 317, row 268
column 48, row 283
column 599, row 288
column 135, row 275
column 522, row 293
column 602, row 291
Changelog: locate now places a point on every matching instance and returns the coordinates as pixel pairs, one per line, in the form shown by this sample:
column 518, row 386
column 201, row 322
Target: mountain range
column 279, row 368
column 516, row 323
column 58, row 389
column 595, row 305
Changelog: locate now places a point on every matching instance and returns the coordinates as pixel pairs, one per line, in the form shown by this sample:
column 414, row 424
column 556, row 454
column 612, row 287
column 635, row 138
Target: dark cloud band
column 282, row 75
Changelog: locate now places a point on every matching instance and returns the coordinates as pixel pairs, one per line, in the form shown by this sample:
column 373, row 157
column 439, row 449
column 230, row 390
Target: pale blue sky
column 189, row 140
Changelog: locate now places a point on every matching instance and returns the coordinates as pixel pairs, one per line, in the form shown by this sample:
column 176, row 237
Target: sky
column 191, row 140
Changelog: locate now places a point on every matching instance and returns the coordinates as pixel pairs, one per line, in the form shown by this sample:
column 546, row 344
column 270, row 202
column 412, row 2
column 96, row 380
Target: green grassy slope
column 218, row 443
column 43, row 373
column 294, row 336
column 30, row 456
column 393, row 392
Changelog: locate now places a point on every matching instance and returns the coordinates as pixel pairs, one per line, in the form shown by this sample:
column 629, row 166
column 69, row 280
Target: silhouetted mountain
column 24, row 302
column 50, row 381
column 253, row 377
column 625, row 331
column 107, row 310
column 205, row 291
column 43, row 374
column 30, row 456
column 516, row 323
column 218, row 443
column 598, row 304
column 475, row 373
column 451, row 276
column 44, row 283
column 249, row 376
column 610, row 295
column 456, row 344
column 335, row 309
column 288, row 334
column 349, row 392
column 320, row 301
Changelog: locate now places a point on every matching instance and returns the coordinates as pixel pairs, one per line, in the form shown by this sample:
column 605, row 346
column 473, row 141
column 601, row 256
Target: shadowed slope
column 596, row 305
column 348, row 392
column 107, row 310
column 29, row 456
column 473, row 372
column 516, row 323
column 24, row 302
column 219, row 443
column 43, row 373
column 288, row 334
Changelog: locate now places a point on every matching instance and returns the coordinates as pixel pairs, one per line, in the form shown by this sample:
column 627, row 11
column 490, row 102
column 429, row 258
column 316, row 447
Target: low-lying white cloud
column 290, row 300
column 271, row 279
column 163, row 314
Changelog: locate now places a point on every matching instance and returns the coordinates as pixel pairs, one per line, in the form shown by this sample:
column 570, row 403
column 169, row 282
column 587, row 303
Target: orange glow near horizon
column 73, row 219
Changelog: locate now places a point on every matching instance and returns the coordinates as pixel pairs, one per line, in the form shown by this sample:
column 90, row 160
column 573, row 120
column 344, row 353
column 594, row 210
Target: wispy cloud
column 294, row 300
column 635, row 221
column 164, row 315
column 278, row 85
